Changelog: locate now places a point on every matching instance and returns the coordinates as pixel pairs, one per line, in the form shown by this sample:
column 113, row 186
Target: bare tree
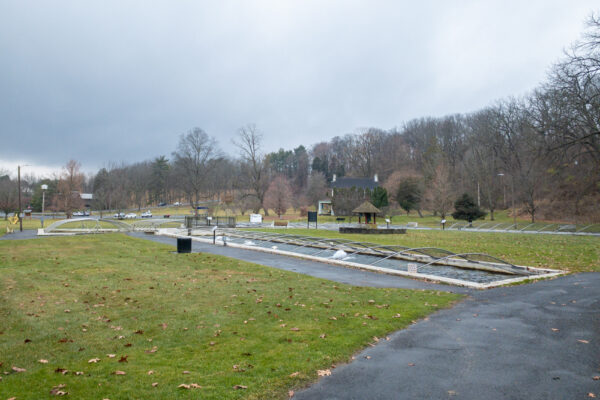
column 316, row 189
column 68, row 196
column 8, row 194
column 279, row 195
column 138, row 177
column 194, row 161
column 440, row 192
column 254, row 170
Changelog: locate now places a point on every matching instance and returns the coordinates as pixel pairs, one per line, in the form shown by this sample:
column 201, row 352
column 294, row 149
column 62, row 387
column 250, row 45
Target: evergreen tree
column 379, row 197
column 466, row 209
column 409, row 195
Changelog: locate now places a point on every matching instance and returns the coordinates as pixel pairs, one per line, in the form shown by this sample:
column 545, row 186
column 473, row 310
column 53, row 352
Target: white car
column 131, row 216
column 147, row 214
column 177, row 204
column 78, row 214
column 119, row 215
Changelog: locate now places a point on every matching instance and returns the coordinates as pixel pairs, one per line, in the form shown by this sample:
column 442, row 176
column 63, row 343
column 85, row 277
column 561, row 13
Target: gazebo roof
column 366, row 207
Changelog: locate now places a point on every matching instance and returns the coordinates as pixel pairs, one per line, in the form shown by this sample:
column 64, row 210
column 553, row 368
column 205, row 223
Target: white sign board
column 412, row 268
column 256, row 218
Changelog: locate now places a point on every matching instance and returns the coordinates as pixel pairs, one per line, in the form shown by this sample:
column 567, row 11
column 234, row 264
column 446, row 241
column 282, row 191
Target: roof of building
column 366, row 207
column 346, row 182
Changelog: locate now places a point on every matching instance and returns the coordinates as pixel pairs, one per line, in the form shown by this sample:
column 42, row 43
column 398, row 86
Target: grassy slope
column 575, row 253
column 74, row 297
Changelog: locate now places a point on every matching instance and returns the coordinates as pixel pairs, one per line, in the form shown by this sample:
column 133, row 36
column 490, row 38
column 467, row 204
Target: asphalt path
column 534, row 341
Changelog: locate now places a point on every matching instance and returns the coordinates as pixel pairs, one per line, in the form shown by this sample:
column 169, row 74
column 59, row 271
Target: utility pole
column 19, row 184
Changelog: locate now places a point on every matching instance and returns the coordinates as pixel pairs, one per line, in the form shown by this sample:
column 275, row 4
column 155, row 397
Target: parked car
column 177, row 204
column 147, row 214
column 78, row 214
column 162, row 204
column 131, row 216
column 119, row 215
column 86, row 213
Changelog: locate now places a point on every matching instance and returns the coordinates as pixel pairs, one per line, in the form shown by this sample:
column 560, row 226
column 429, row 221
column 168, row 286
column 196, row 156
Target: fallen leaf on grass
column 189, row 386
column 79, row 373
column 291, row 393
column 150, row 372
column 185, row 372
column 111, row 355
column 17, row 369
column 119, row 372
column 583, row 341
column 93, row 360
column 322, row 336
column 294, row 329
column 123, row 359
column 596, row 378
column 42, row 361
column 323, row 372
column 411, row 364
column 154, row 384
column 236, row 387
column 294, row 374
column 163, row 325
column 555, row 329
column 61, row 371
column 154, row 349
column 592, row 395
column 56, row 390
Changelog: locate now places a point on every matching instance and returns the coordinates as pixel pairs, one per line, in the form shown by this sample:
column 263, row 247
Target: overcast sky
column 111, row 81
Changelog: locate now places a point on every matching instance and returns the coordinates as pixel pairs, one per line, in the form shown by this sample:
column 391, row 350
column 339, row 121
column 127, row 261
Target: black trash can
column 184, row 245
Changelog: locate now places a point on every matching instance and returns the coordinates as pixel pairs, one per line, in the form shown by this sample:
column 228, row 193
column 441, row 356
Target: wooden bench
column 280, row 223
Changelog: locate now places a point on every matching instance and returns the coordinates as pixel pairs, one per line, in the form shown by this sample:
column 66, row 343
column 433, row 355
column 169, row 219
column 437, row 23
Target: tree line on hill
column 538, row 155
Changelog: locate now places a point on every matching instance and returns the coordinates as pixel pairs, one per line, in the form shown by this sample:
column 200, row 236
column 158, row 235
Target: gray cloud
column 112, row 81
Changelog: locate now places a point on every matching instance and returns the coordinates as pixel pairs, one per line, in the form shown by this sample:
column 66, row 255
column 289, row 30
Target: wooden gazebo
column 369, row 211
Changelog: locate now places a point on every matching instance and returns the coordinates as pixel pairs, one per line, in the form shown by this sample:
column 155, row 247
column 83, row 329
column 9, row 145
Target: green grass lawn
column 69, row 300
column 575, row 253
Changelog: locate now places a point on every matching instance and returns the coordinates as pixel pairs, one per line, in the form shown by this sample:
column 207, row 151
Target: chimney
column 376, row 178
column 334, row 178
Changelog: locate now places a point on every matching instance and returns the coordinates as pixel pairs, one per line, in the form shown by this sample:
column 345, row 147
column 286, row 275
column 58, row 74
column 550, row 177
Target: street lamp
column 512, row 189
column 501, row 175
column 44, row 188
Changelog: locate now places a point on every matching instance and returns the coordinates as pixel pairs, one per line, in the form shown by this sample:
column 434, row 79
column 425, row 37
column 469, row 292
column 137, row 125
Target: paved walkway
column 17, row 235
column 535, row 341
